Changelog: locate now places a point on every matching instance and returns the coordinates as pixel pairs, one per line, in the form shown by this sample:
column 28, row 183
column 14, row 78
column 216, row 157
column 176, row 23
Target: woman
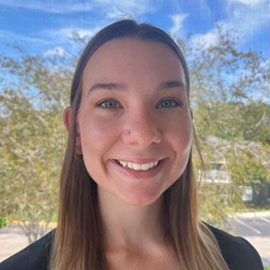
column 128, row 196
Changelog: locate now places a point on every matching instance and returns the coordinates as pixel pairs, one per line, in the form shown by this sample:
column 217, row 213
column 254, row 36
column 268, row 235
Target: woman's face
column 134, row 122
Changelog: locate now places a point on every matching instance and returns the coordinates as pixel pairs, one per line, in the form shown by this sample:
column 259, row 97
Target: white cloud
column 113, row 8
column 248, row 2
column 118, row 9
column 178, row 20
column 205, row 40
column 64, row 34
column 57, row 51
column 140, row 6
column 49, row 6
column 247, row 20
column 13, row 38
column 108, row 10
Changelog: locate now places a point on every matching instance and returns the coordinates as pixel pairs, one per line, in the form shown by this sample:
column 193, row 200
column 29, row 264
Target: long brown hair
column 78, row 240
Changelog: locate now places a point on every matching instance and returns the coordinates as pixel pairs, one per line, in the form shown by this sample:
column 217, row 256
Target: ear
column 67, row 118
column 67, row 122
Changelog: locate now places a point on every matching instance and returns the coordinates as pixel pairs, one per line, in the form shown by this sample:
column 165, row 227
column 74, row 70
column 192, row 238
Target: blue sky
column 44, row 27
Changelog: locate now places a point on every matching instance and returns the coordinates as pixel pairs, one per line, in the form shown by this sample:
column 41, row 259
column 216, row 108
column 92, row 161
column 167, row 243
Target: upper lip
column 139, row 160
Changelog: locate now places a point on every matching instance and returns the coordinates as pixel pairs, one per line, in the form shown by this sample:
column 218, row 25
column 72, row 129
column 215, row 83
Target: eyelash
column 177, row 103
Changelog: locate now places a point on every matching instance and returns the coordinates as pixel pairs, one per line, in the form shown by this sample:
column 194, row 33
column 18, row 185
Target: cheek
column 180, row 133
column 184, row 136
column 96, row 132
column 181, row 143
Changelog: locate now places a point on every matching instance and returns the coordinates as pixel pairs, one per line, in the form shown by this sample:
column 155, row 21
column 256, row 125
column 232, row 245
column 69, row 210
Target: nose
column 142, row 130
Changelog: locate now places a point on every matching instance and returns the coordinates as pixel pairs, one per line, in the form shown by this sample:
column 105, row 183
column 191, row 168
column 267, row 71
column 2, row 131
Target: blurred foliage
column 231, row 106
column 32, row 139
column 3, row 222
column 230, row 101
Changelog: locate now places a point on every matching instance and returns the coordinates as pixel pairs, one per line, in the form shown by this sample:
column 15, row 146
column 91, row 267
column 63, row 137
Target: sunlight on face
column 134, row 120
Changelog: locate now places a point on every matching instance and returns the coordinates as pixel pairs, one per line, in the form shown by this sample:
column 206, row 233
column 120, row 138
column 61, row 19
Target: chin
column 141, row 199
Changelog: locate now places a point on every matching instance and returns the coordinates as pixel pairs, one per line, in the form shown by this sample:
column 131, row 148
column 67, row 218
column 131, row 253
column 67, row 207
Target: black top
column 237, row 252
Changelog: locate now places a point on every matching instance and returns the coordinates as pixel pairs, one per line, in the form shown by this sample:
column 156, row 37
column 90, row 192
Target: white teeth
column 138, row 167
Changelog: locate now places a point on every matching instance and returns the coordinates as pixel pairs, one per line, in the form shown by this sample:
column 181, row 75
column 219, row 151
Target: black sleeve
column 237, row 252
column 33, row 257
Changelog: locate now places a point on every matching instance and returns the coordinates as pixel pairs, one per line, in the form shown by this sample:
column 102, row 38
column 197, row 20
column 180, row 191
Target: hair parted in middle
column 78, row 242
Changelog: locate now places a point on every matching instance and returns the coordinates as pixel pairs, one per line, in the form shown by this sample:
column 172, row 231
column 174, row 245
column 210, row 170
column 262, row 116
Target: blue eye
column 109, row 104
column 169, row 103
column 113, row 104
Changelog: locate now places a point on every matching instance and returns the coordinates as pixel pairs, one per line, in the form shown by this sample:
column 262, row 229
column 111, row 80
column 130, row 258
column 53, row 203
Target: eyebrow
column 107, row 86
column 120, row 86
column 171, row 84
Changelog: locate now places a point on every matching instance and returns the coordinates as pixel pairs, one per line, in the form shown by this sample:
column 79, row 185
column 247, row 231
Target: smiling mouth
column 138, row 167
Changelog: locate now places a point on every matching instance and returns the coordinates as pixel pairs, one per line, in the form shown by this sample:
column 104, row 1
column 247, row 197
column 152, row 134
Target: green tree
column 32, row 139
column 230, row 101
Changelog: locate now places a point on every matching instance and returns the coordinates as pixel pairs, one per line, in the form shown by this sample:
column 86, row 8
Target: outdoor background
column 226, row 43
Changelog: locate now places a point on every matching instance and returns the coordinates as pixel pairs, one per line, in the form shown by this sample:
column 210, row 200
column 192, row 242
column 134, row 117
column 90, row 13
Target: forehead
column 124, row 58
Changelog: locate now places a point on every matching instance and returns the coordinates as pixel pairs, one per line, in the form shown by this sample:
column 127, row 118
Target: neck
column 127, row 225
